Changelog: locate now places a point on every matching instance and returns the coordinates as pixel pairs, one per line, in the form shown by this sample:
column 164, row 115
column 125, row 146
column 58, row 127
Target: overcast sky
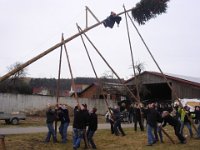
column 29, row 27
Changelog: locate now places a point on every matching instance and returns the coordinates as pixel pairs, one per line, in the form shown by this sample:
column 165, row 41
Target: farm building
column 153, row 87
column 112, row 91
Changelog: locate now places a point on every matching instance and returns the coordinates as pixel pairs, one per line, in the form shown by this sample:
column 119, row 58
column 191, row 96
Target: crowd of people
column 85, row 124
column 152, row 118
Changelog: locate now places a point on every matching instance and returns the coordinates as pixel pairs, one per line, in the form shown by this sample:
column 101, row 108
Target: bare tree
column 139, row 67
column 108, row 74
column 21, row 73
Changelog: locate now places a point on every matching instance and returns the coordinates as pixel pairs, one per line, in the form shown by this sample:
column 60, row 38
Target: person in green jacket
column 184, row 113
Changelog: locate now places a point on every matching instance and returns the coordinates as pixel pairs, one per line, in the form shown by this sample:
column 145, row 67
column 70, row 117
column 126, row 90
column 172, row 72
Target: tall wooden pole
column 6, row 76
column 58, row 85
column 132, row 58
column 72, row 77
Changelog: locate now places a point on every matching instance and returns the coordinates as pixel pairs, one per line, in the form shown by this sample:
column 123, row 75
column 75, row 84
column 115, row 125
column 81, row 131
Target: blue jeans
column 51, row 131
column 77, row 136
column 63, row 131
column 118, row 128
column 188, row 125
column 90, row 135
column 150, row 136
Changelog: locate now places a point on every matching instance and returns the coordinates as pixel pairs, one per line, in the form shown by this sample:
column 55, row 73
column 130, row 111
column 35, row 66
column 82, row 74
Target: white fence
column 32, row 103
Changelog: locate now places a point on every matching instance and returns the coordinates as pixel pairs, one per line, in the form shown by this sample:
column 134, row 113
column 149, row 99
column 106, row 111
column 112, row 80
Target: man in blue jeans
column 51, row 116
column 185, row 112
column 152, row 115
column 117, row 121
column 78, row 126
column 64, row 118
column 93, row 123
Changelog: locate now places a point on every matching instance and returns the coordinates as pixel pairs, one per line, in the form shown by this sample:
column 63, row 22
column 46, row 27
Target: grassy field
column 103, row 139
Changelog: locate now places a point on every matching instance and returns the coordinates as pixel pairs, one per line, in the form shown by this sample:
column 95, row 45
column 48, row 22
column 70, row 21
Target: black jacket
column 93, row 122
column 197, row 115
column 86, row 116
column 110, row 21
column 137, row 113
column 116, row 114
column 64, row 116
column 51, row 116
column 152, row 117
column 79, row 120
column 171, row 121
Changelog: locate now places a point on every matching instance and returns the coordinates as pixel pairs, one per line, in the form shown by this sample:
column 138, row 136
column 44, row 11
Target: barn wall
column 183, row 90
column 32, row 103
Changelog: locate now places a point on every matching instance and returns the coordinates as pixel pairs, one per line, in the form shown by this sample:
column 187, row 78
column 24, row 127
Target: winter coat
column 171, row 121
column 93, row 122
column 64, row 116
column 79, row 120
column 51, row 116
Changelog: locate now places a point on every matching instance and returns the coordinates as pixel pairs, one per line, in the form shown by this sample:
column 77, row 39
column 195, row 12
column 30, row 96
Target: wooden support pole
column 92, row 65
column 72, row 78
column 58, row 84
column 86, row 15
column 169, row 137
column 132, row 57
column 88, row 9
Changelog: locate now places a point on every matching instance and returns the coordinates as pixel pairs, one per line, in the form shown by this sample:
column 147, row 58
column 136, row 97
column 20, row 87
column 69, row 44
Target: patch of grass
column 103, row 139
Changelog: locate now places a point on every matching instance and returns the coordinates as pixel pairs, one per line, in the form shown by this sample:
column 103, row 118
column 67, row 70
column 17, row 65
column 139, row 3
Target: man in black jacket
column 93, row 123
column 152, row 115
column 78, row 126
column 86, row 123
column 64, row 118
column 138, row 117
column 175, row 123
column 117, row 121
